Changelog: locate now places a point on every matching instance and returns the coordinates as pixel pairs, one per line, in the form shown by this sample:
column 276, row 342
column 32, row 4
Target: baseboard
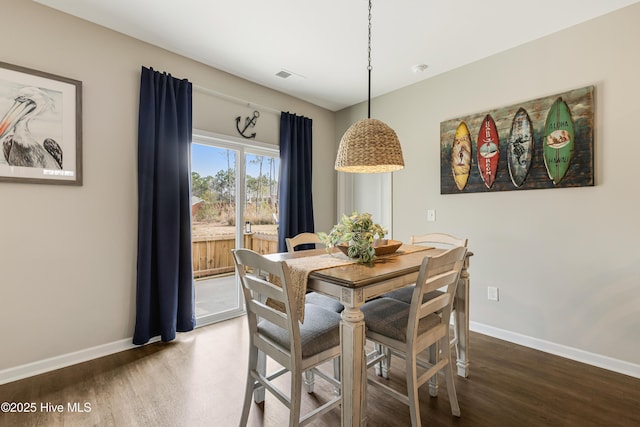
column 605, row 362
column 62, row 361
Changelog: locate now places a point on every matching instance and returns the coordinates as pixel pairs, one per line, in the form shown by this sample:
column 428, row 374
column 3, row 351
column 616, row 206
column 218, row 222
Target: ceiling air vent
column 284, row 74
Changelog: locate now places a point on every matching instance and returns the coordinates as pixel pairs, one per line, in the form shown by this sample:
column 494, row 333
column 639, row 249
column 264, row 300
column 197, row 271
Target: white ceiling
column 324, row 42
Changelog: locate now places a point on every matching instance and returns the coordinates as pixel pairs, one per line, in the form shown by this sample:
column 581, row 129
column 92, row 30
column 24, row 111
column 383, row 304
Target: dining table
column 355, row 283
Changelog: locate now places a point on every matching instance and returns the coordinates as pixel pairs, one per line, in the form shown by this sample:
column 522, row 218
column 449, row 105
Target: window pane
column 261, row 206
column 213, row 189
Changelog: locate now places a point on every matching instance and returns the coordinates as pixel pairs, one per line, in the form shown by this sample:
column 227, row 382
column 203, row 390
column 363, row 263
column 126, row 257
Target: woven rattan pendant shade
column 369, row 146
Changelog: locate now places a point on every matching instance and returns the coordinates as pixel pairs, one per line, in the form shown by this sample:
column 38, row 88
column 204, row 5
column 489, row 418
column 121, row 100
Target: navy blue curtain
column 296, row 200
column 165, row 294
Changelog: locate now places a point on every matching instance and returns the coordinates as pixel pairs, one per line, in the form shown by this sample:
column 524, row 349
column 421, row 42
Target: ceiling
column 323, row 43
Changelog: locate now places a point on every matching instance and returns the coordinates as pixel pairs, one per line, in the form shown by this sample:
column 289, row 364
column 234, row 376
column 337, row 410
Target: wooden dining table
column 353, row 284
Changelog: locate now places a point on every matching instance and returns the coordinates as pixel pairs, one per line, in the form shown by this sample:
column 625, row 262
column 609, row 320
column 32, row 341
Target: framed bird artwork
column 40, row 127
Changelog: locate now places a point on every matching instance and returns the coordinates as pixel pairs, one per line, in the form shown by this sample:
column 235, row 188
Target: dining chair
column 294, row 345
column 438, row 240
column 408, row 330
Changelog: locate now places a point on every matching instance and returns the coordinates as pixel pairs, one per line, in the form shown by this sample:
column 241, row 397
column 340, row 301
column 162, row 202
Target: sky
column 207, row 161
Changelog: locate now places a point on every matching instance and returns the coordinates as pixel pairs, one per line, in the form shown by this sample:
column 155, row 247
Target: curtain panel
column 296, row 198
column 165, row 292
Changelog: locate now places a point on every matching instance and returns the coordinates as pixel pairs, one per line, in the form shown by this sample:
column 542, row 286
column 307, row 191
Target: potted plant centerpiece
column 357, row 233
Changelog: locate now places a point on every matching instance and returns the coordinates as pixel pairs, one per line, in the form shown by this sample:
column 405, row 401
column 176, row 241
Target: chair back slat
column 433, row 305
column 264, row 287
column 302, row 239
column 441, row 280
column 269, row 313
column 439, row 240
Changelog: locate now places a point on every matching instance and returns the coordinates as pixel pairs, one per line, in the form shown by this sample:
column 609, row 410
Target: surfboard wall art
column 543, row 143
column 488, row 151
column 558, row 140
column 520, row 147
column 461, row 156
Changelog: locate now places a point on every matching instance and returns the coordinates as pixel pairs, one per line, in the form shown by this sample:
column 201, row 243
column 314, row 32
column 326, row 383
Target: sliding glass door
column 234, row 204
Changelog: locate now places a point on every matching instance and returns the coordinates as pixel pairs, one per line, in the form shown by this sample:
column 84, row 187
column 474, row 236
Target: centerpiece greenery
column 359, row 232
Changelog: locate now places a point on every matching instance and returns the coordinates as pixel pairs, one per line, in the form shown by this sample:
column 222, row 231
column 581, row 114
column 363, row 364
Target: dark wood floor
column 198, row 380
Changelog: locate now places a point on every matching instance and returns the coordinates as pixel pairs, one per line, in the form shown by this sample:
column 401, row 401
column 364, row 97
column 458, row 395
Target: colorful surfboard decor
column 558, row 140
column 488, row 150
column 520, row 147
column 461, row 156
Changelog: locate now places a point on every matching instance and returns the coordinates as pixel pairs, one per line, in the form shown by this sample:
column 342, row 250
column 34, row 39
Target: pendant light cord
column 369, row 66
column 369, row 146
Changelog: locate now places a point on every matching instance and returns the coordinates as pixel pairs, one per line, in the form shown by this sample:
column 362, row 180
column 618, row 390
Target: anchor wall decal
column 248, row 122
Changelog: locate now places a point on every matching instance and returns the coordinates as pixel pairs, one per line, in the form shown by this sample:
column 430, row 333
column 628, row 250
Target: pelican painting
column 19, row 145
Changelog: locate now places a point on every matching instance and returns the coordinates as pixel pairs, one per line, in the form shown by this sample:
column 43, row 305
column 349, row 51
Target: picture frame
column 40, row 127
column 544, row 143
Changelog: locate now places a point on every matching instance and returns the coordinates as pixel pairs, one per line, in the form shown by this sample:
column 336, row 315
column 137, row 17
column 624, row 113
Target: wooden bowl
column 381, row 250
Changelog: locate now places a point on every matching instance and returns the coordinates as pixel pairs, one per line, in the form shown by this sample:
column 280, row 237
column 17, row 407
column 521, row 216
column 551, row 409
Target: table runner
column 298, row 270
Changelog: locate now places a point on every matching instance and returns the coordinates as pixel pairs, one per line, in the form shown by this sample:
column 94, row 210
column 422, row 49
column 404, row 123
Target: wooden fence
column 212, row 255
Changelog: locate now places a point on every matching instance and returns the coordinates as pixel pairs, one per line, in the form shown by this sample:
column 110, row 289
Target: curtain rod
column 236, row 100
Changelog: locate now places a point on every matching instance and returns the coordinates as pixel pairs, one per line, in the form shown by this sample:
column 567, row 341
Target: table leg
column 354, row 374
column 462, row 320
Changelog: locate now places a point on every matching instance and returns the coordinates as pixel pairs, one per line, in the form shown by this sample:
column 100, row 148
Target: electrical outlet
column 492, row 293
column 431, row 215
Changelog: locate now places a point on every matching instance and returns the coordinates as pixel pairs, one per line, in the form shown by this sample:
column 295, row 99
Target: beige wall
column 68, row 254
column 566, row 261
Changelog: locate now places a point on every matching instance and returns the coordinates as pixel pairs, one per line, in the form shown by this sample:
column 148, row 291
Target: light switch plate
column 492, row 293
column 431, row 215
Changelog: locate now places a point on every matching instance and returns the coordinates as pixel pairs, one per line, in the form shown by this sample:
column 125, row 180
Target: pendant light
column 369, row 145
